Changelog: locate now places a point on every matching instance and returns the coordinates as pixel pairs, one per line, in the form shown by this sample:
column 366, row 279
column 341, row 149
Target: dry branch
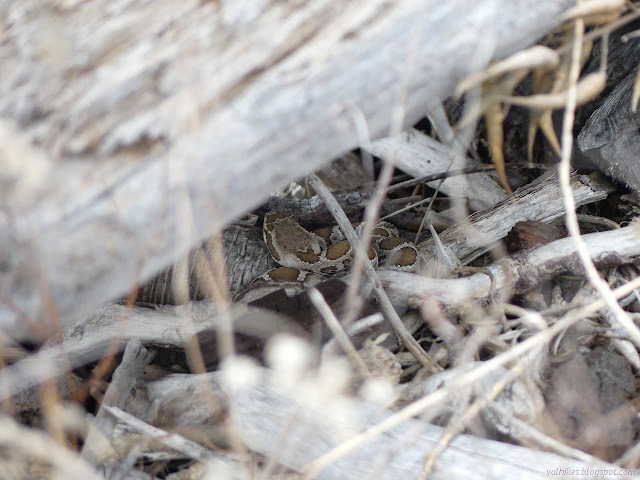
column 114, row 325
column 282, row 424
column 148, row 126
column 420, row 155
column 134, row 361
column 519, row 272
column 540, row 200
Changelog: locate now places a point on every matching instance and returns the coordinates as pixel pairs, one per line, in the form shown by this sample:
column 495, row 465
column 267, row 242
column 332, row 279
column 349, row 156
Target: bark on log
column 133, row 130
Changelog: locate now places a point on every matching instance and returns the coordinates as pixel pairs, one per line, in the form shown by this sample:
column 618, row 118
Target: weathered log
column 132, row 131
column 283, row 424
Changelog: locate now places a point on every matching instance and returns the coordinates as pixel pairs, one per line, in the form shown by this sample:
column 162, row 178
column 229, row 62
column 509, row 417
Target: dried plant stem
column 458, row 425
column 338, row 332
column 592, row 274
column 385, row 304
column 134, row 361
column 38, row 445
column 419, row 406
column 171, row 440
column 371, row 214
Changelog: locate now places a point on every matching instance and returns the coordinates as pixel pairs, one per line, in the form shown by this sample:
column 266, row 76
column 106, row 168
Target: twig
column 544, row 262
column 419, row 406
column 540, row 200
column 371, row 214
column 170, row 440
column 37, row 444
column 598, row 283
column 134, row 361
column 457, row 426
column 387, row 308
column 338, row 332
column 419, row 155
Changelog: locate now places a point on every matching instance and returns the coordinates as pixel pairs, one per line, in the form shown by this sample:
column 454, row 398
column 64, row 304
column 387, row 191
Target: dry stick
column 481, row 403
column 444, row 175
column 429, row 207
column 173, row 441
column 474, row 409
column 134, row 361
column 338, row 332
column 385, row 304
column 547, row 443
column 353, row 302
column 438, row 118
column 409, row 207
column 37, row 445
column 419, row 406
column 598, row 283
column 630, row 458
column 371, row 214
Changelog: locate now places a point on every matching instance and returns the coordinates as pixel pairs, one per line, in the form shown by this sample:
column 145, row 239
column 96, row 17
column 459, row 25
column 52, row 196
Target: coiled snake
column 325, row 251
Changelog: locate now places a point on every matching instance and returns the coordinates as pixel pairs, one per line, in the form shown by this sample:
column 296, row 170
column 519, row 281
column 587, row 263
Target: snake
column 311, row 254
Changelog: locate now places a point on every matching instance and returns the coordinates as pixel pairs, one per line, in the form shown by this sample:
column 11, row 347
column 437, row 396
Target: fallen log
column 131, row 132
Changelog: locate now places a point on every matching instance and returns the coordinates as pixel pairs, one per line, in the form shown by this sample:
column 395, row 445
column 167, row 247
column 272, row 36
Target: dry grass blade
column 636, row 93
column 544, row 122
column 598, row 283
column 39, row 445
column 387, row 308
column 495, row 118
column 474, row 409
column 603, row 11
column 536, row 57
column 543, row 81
column 338, row 332
column 586, row 89
column 514, row 353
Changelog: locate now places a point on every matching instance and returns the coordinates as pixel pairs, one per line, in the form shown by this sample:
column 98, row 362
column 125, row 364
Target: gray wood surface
column 295, row 428
column 132, row 130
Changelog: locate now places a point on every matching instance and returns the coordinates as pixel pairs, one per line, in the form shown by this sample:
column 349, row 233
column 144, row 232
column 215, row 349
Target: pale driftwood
column 134, row 361
column 21, row 441
column 315, row 212
column 420, row 155
column 541, row 200
column 114, row 325
column 170, row 440
column 281, row 424
column 519, row 272
column 135, row 130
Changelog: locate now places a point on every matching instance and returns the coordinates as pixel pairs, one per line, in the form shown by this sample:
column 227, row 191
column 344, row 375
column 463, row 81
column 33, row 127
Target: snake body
column 325, row 251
